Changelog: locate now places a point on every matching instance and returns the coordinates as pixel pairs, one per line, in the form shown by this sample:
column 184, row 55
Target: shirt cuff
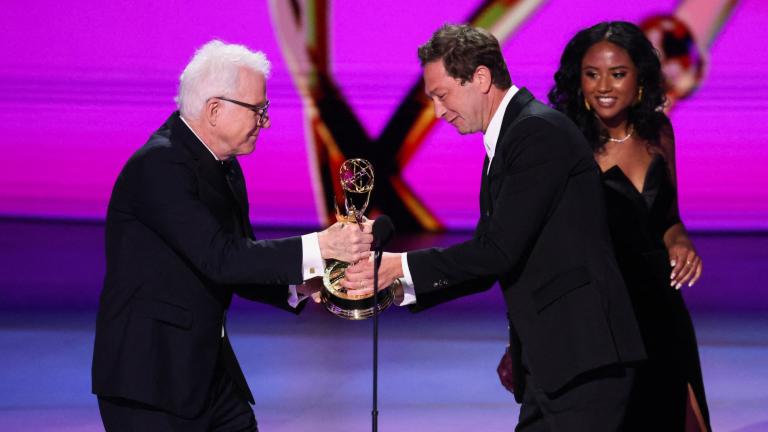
column 312, row 264
column 409, row 293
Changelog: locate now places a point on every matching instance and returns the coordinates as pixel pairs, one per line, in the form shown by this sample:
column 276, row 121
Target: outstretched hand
column 358, row 279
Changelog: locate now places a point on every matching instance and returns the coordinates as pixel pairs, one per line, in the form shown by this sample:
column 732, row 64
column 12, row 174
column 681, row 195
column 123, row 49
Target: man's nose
column 439, row 110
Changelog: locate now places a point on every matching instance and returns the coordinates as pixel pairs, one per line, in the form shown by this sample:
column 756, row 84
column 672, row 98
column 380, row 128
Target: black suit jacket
column 543, row 236
column 178, row 245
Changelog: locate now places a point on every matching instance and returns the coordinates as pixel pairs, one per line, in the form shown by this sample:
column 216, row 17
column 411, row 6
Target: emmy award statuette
column 356, row 176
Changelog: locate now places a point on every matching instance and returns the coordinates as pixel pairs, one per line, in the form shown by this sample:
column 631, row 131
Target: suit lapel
column 213, row 173
column 207, row 167
column 515, row 107
column 485, row 190
column 521, row 99
column 236, row 183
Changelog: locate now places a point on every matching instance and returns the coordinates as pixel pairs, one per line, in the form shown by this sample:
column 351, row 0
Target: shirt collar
column 201, row 140
column 494, row 127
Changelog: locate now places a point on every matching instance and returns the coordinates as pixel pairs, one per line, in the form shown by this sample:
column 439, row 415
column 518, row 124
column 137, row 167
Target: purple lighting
column 85, row 83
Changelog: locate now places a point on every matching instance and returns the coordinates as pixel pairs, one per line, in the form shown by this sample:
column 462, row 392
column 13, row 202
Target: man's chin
column 463, row 130
column 247, row 148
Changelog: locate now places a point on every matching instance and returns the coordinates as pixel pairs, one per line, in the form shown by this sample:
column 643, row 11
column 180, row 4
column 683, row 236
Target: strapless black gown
column 638, row 221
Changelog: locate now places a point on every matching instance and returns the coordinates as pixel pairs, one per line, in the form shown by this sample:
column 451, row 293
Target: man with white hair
column 179, row 244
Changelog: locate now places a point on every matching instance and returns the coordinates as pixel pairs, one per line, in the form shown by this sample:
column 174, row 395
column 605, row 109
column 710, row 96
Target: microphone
column 383, row 229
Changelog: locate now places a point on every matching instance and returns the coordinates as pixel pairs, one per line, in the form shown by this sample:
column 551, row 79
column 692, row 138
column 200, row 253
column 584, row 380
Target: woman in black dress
column 610, row 84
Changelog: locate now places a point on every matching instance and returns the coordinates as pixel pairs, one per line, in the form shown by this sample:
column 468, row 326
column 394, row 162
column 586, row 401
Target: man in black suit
column 542, row 235
column 179, row 244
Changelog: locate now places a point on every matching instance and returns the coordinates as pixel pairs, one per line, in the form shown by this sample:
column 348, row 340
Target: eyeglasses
column 260, row 110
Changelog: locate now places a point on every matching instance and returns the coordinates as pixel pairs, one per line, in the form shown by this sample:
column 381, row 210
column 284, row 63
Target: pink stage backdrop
column 84, row 83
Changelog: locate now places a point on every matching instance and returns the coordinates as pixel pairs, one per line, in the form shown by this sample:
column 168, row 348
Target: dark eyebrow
column 610, row 68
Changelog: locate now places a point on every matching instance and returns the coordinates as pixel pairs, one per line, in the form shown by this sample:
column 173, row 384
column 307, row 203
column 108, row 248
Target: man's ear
column 212, row 111
column 484, row 78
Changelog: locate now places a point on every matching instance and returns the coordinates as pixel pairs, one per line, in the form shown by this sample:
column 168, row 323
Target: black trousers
column 595, row 401
column 227, row 411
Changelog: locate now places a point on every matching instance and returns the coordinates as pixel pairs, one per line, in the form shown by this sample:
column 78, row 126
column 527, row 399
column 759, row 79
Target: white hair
column 214, row 71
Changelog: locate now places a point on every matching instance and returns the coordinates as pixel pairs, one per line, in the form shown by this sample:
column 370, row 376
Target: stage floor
column 313, row 371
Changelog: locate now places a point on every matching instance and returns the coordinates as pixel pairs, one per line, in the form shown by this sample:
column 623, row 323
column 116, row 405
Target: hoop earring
column 586, row 105
column 639, row 95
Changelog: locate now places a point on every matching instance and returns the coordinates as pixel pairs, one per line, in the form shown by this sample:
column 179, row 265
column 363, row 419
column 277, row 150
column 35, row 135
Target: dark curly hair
column 646, row 117
column 462, row 49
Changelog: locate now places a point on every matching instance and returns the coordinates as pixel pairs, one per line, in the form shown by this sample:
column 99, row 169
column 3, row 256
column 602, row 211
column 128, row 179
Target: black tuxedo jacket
column 178, row 245
column 543, row 236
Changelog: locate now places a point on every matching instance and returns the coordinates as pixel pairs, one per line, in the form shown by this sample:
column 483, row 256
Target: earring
column 639, row 94
column 586, row 105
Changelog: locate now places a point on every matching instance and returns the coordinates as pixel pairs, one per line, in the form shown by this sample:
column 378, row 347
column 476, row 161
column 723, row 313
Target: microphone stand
column 375, row 410
column 382, row 231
